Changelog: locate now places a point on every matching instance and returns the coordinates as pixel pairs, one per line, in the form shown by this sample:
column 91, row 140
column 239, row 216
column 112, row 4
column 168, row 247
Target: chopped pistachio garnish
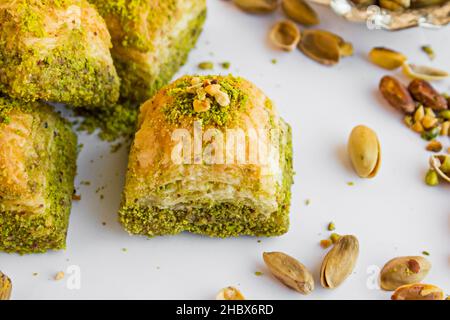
column 429, row 51
column 307, row 202
column 207, row 65
column 425, row 253
column 274, row 61
column 226, row 65
column 258, row 273
column 350, row 183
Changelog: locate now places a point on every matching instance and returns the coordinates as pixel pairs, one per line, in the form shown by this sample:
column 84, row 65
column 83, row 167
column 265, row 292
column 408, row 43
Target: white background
column 392, row 215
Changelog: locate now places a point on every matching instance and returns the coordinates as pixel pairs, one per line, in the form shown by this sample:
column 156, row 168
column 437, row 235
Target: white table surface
column 392, row 215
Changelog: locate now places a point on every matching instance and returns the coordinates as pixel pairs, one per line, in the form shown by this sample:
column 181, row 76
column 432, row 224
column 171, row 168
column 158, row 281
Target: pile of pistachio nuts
column 426, row 111
column 321, row 46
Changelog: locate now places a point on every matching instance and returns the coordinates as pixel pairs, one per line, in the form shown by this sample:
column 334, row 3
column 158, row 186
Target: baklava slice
column 151, row 40
column 37, row 167
column 211, row 156
column 56, row 51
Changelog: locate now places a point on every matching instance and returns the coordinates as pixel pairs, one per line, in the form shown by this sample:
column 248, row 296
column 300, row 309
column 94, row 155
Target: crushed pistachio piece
column 274, row 61
column 326, row 243
column 432, row 178
column 258, row 273
column 425, row 253
column 331, row 226
column 434, row 146
column 429, row 51
column 334, row 237
column 226, row 65
column 59, row 276
column 76, row 197
column 207, row 65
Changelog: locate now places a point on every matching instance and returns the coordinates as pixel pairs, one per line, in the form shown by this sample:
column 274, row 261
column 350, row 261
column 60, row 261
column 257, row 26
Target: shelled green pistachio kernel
column 431, row 134
column 432, row 178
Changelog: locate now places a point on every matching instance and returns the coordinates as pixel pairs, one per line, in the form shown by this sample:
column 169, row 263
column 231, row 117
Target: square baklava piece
column 37, row 167
column 211, row 156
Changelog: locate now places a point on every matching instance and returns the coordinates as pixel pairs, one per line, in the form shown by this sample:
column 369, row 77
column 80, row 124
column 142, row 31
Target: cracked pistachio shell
column 423, row 72
column 365, row 151
column 418, row 291
column 5, row 287
column 386, row 58
column 301, row 12
column 257, row 6
column 285, row 35
column 339, row 262
column 289, row 271
column 403, row 270
column 321, row 46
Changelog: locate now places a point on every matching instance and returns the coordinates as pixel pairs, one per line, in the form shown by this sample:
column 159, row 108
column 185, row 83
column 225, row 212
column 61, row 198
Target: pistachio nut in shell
column 386, row 58
column 423, row 72
column 5, row 287
column 403, row 270
column 396, row 94
column 301, row 12
column 285, row 35
column 230, row 293
column 339, row 262
column 289, row 271
column 418, row 291
column 364, row 151
column 423, row 92
column 257, row 6
column 321, row 46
